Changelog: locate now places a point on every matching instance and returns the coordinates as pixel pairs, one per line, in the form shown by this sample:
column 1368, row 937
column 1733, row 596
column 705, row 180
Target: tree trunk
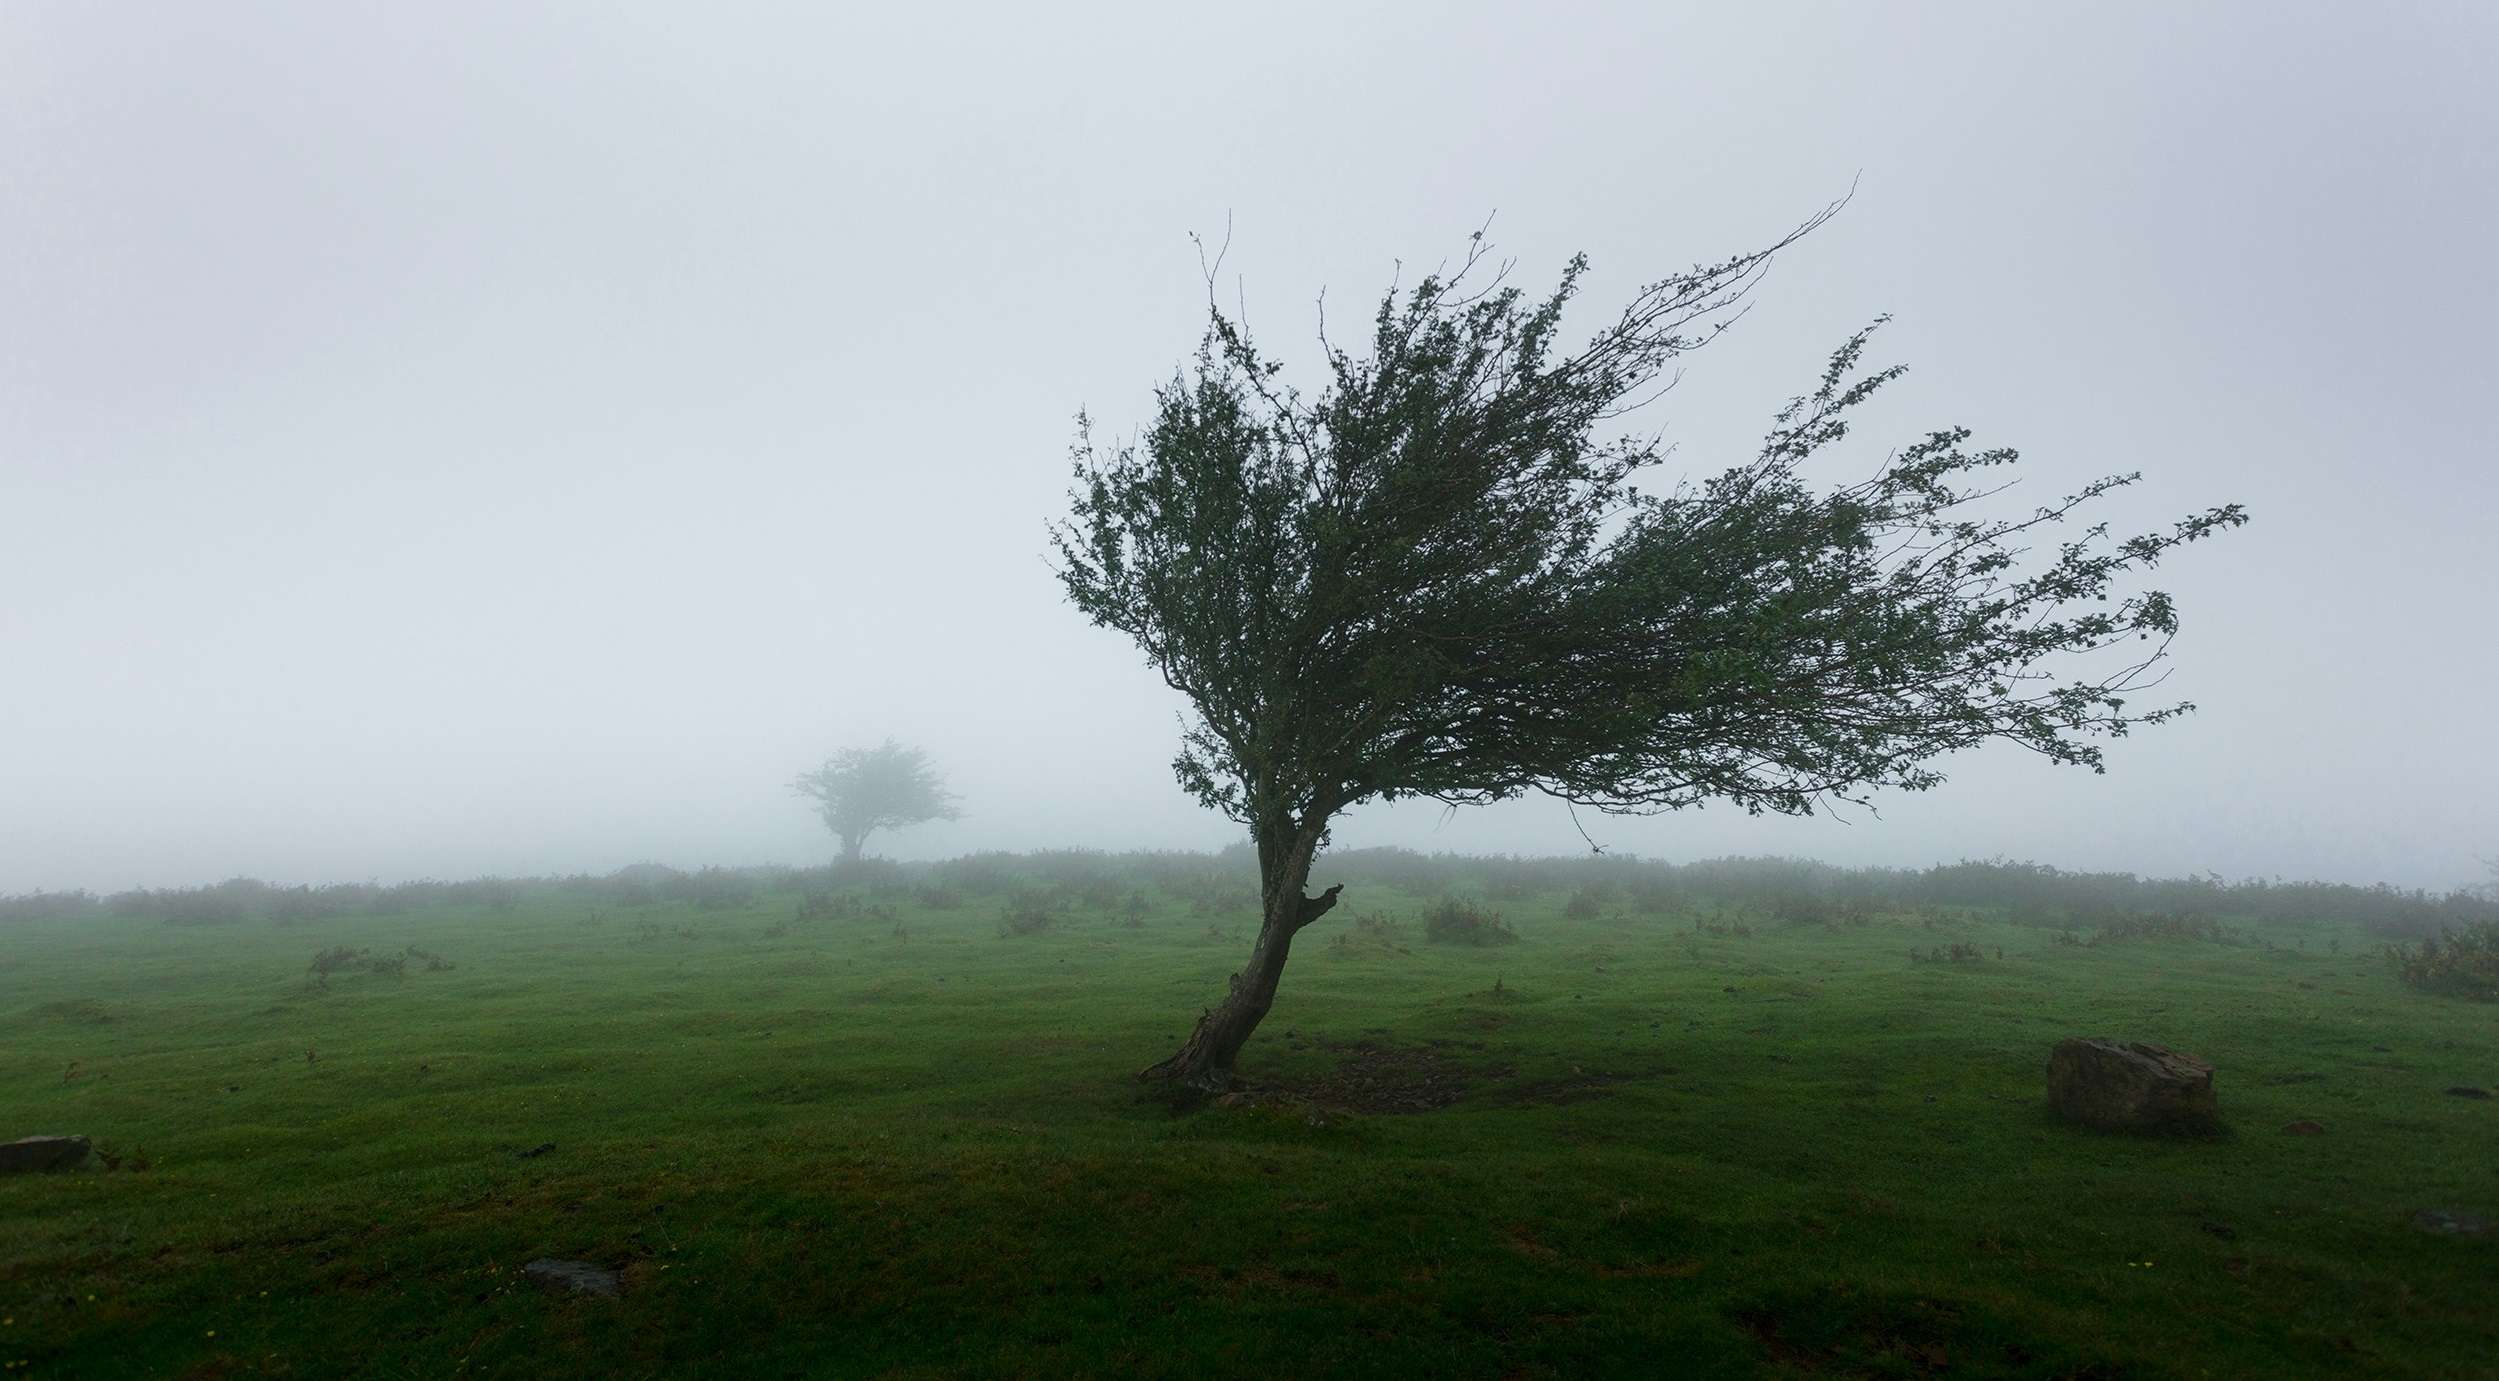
column 1203, row 1064
column 852, row 844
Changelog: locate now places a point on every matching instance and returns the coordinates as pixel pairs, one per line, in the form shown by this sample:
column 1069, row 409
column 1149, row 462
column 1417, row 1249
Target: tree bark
column 852, row 844
column 1203, row 1064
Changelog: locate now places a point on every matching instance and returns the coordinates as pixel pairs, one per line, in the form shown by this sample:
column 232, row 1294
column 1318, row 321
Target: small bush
column 345, row 959
column 1954, row 953
column 1586, row 904
column 2459, row 961
column 1027, row 915
column 1455, row 922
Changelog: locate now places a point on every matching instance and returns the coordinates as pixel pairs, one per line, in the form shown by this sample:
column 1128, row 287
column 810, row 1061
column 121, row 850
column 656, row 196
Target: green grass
column 837, row 1152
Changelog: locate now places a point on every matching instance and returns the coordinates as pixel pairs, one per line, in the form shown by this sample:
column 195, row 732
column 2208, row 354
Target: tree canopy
column 1442, row 575
column 859, row 791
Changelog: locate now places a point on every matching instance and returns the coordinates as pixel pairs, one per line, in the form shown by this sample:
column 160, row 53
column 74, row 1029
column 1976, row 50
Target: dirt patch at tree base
column 1381, row 1076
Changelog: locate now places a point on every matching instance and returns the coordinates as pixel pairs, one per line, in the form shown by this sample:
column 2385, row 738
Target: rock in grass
column 579, row 1277
column 28, row 1154
column 2304, row 1127
column 2447, row 1222
column 2467, row 1091
column 2129, row 1085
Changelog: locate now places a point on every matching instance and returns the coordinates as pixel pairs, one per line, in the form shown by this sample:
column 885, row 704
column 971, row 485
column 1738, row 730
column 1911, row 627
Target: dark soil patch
column 1382, row 1076
column 1845, row 1333
column 1576, row 1087
column 1379, row 1076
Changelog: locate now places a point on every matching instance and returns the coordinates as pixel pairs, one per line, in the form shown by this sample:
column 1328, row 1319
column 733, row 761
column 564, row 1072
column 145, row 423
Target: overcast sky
column 459, row 438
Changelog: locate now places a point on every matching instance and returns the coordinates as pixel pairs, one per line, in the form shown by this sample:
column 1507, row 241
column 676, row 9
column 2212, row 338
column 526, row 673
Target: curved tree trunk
column 852, row 844
column 1204, row 1062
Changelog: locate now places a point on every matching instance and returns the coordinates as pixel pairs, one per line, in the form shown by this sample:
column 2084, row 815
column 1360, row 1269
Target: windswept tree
column 859, row 791
column 1439, row 576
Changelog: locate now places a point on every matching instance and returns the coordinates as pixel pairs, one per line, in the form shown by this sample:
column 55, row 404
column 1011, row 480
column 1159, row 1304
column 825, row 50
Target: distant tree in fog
column 859, row 791
column 1435, row 578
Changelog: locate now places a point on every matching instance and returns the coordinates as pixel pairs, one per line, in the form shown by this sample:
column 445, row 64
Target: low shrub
column 1456, row 922
column 1026, row 915
column 2459, row 961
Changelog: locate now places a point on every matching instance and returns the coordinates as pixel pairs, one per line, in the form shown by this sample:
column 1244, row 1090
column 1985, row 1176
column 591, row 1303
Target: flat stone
column 2127, row 1085
column 580, row 1277
column 32, row 1153
column 2448, row 1222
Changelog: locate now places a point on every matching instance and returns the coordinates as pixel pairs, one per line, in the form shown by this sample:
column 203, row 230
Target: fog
column 472, row 439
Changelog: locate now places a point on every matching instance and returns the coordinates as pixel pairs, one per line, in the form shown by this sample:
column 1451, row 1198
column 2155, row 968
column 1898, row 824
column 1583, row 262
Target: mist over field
column 504, row 440
column 1127, row 690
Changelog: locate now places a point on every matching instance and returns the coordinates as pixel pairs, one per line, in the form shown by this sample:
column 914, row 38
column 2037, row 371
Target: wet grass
column 1625, row 1144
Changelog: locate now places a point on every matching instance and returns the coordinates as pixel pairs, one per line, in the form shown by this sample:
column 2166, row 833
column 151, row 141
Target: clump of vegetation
column 1026, row 915
column 713, row 889
column 334, row 960
column 650, row 930
column 1371, row 933
column 1586, row 904
column 842, row 906
column 223, row 904
column 1655, row 896
column 1456, row 922
column 2460, row 961
column 348, row 959
column 938, row 896
column 44, row 906
column 2164, row 926
column 1954, row 953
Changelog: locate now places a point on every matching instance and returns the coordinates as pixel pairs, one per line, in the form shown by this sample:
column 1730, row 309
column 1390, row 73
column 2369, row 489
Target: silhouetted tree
column 1435, row 578
column 859, row 791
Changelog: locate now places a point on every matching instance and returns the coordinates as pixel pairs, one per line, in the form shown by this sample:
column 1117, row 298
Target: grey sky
column 471, row 438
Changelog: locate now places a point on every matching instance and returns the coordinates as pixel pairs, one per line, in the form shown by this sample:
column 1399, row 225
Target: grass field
column 893, row 1141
